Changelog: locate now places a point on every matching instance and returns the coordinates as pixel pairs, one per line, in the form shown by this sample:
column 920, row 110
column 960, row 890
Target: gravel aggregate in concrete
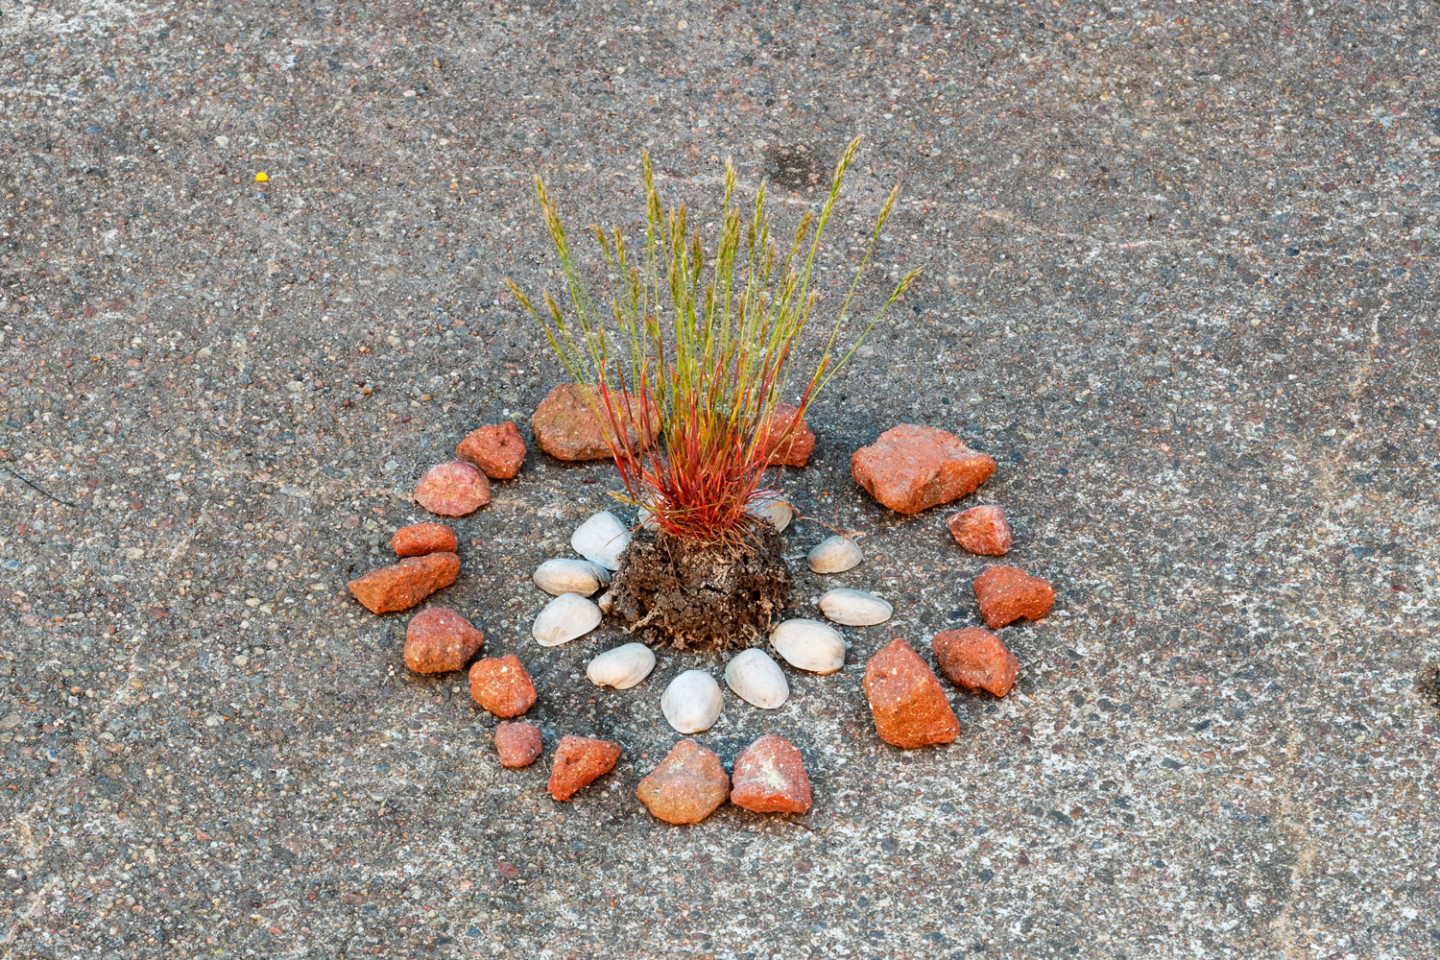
column 1179, row 282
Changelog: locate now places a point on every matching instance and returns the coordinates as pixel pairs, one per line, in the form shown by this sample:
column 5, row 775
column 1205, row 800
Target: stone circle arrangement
column 909, row 469
column 678, row 381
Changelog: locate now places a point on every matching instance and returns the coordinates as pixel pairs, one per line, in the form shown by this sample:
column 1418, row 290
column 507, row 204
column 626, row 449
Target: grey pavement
column 1179, row 281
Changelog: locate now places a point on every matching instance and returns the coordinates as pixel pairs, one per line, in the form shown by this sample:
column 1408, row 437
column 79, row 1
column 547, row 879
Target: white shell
column 809, row 645
column 566, row 617
column 757, row 679
column 606, row 601
column 570, row 576
column 601, row 539
column 692, row 702
column 834, row 555
column 773, row 509
column 644, row 518
column 622, row 667
column 855, row 608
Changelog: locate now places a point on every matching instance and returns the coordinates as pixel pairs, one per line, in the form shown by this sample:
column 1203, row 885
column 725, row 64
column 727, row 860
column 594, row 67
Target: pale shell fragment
column 566, row 617
column 692, row 702
column 601, row 539
column 809, row 645
column 622, row 667
column 855, row 608
column 757, row 679
column 645, row 519
column 568, row 575
column 772, row 509
column 834, row 555
column 606, row 601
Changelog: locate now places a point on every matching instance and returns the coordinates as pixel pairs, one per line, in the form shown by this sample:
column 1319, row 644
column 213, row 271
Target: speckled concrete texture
column 1179, row 281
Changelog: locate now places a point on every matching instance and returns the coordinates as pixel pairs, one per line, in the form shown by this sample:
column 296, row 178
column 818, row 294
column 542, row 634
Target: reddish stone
column 497, row 449
column 419, row 539
column 402, row 585
column 906, row 700
column 976, row 659
column 501, row 685
column 579, row 761
column 453, row 489
column 567, row 428
column 1007, row 594
column 687, row 786
column 770, row 777
column 912, row 468
column 439, row 640
column 982, row 530
column 518, row 743
column 785, row 437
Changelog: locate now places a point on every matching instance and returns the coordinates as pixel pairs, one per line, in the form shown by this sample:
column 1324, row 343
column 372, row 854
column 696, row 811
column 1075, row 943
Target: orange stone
column 501, row 685
column 976, row 659
column 579, row 761
column 497, row 449
column 687, row 786
column 906, row 700
column 567, row 428
column 1007, row 594
column 419, row 539
column 402, row 585
column 519, row 743
column 982, row 530
column 439, row 640
column 910, row 468
column 770, row 777
column 453, row 489
column 785, row 437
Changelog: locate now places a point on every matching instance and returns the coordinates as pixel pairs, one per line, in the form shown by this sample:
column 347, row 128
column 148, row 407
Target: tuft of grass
column 704, row 338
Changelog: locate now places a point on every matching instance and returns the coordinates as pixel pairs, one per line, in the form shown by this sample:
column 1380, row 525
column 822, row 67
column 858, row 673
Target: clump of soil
column 702, row 596
column 1430, row 685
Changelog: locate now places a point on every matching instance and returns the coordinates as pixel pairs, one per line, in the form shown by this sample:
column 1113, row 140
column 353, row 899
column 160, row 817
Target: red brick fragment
column 497, row 449
column 770, row 777
column 580, row 761
column 567, row 428
column 1007, row 594
column 419, row 539
column 453, row 489
column 785, row 437
column 402, row 585
column 439, row 640
column 982, row 530
column 976, row 659
column 687, row 786
column 502, row 686
column 910, row 468
column 519, row 743
column 906, row 700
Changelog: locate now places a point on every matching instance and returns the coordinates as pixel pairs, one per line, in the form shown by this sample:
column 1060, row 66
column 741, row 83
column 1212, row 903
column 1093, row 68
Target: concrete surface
column 1180, row 281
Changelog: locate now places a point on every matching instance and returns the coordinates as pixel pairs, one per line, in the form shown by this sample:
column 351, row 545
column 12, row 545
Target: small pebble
column 497, row 449
column 601, row 539
column 566, row 617
column 439, row 640
column 809, row 645
column 982, row 530
column 757, row 679
column 1007, row 594
column 567, row 575
column 692, row 702
column 622, row 667
column 855, row 608
column 402, row 585
column 834, row 555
